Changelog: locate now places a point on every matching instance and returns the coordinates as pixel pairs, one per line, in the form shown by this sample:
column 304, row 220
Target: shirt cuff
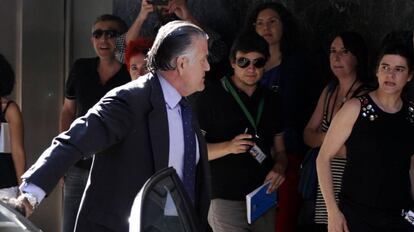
column 33, row 190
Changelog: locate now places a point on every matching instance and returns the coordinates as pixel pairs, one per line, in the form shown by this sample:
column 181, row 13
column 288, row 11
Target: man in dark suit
column 135, row 130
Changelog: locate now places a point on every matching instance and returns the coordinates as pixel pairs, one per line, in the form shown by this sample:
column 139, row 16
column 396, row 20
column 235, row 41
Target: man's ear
column 181, row 64
column 233, row 63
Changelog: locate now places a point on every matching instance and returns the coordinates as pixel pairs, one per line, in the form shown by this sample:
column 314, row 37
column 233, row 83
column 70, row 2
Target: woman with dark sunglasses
column 89, row 80
column 285, row 75
column 348, row 63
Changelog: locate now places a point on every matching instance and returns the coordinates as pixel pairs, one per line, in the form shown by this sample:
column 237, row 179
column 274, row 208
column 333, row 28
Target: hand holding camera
column 158, row 2
column 146, row 9
column 165, row 8
column 240, row 144
column 179, row 8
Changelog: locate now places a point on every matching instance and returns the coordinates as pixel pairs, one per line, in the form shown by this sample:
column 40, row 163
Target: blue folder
column 258, row 202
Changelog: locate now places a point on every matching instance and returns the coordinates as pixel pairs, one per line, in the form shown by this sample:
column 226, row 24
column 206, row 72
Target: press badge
column 257, row 153
column 409, row 216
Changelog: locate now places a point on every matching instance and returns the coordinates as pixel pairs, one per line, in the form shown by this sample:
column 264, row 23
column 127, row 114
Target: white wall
column 42, row 59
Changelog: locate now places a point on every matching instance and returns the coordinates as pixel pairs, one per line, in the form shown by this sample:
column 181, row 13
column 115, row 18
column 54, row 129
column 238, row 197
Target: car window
column 162, row 205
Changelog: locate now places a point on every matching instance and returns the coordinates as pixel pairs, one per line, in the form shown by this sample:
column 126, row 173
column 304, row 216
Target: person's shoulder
column 11, row 109
column 141, row 86
column 213, row 92
column 356, row 101
column 214, row 84
column 212, row 87
column 353, row 105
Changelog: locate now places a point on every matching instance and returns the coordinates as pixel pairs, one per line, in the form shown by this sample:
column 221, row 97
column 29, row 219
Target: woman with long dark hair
column 348, row 63
column 288, row 74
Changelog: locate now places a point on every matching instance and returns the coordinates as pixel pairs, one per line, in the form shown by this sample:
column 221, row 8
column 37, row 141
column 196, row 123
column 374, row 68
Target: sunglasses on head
column 244, row 62
column 108, row 33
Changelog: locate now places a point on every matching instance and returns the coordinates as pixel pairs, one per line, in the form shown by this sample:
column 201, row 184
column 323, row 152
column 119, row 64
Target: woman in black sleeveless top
column 377, row 129
column 12, row 155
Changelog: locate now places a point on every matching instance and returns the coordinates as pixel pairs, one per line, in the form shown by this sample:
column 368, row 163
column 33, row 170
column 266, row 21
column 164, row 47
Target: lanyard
column 243, row 107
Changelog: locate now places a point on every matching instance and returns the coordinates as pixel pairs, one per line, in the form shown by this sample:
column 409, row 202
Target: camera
column 158, row 2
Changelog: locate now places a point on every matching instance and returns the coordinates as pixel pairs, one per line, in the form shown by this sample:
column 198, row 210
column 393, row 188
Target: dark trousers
column 364, row 219
column 75, row 183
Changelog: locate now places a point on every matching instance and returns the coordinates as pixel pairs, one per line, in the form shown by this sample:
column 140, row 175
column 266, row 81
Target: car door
column 13, row 221
column 162, row 205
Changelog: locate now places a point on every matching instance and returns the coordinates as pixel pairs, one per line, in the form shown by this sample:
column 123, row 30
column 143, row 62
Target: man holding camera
column 238, row 116
column 166, row 11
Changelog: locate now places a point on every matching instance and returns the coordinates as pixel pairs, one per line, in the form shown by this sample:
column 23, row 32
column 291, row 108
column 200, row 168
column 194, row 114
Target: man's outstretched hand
column 20, row 204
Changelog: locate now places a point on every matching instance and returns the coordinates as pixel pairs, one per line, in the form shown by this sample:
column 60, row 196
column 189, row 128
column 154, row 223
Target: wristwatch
column 31, row 199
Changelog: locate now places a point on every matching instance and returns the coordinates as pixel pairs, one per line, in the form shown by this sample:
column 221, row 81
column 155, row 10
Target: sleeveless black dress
column 379, row 152
column 8, row 176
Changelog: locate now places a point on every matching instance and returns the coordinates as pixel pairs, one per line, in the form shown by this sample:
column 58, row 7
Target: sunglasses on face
column 108, row 33
column 244, row 62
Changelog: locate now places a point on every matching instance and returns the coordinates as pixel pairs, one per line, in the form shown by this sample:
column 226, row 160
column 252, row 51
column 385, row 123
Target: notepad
column 258, row 202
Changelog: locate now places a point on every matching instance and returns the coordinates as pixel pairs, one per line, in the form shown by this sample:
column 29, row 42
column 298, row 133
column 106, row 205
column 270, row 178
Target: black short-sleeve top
column 84, row 85
column 221, row 119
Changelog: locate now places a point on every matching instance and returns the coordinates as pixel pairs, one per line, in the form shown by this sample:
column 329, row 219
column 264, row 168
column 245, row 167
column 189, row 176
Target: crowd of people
column 153, row 100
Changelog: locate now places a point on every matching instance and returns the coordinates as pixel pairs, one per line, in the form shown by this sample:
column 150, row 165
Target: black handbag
column 308, row 181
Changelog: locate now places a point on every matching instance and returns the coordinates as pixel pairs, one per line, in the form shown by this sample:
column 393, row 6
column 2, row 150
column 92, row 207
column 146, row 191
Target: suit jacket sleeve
column 104, row 125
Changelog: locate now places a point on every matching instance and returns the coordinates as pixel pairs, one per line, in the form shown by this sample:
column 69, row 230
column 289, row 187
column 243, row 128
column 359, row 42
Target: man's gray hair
column 173, row 39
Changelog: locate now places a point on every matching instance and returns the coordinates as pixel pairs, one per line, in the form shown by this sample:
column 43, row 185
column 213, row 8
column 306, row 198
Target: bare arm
column 237, row 145
column 180, row 9
column 134, row 30
column 412, row 176
column 277, row 174
column 67, row 115
column 338, row 133
column 15, row 120
column 312, row 134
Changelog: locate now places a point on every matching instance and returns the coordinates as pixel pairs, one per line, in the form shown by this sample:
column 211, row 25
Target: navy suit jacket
column 128, row 131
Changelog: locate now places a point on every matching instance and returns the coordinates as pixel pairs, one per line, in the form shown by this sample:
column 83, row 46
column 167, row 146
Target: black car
column 163, row 205
column 13, row 221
